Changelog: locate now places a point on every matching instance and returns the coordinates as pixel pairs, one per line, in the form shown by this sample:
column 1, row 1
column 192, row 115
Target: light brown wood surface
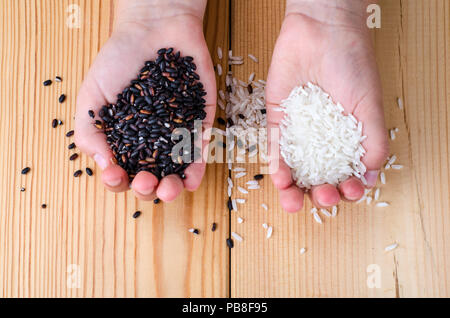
column 155, row 255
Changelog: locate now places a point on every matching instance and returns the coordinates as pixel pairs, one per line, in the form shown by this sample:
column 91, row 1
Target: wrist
column 338, row 12
column 150, row 13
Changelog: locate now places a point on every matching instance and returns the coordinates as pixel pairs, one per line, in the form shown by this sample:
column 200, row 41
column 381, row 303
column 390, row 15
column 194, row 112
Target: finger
column 370, row 112
column 352, row 189
column 115, row 179
column 325, row 195
column 144, row 186
column 169, row 188
column 291, row 199
column 88, row 138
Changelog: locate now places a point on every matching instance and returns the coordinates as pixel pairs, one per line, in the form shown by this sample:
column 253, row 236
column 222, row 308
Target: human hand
column 141, row 28
column 329, row 46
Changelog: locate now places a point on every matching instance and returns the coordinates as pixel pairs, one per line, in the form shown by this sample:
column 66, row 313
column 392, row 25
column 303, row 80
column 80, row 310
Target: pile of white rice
column 247, row 111
column 318, row 141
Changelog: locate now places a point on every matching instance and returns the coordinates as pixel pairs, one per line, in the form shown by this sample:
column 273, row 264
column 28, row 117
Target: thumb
column 370, row 113
column 92, row 141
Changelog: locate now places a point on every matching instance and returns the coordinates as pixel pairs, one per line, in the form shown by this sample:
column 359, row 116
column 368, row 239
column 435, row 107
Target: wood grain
column 118, row 256
column 412, row 52
column 155, row 256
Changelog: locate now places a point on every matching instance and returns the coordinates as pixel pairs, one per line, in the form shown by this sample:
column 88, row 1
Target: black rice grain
column 62, row 98
column 47, row 83
column 22, row 189
column 70, row 133
column 258, row 177
column 156, row 201
column 91, row 113
column 230, row 243
column 58, row 79
column 25, row 170
column 54, row 123
column 214, row 227
column 137, row 214
column 71, row 146
column 230, row 204
column 221, row 121
column 77, row 173
column 73, row 157
column 89, row 171
column 166, row 97
column 44, row 206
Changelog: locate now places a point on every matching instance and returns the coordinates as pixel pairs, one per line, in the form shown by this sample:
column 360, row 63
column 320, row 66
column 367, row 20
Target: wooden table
column 115, row 255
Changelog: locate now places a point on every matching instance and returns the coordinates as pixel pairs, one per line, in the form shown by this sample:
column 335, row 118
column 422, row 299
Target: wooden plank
column 412, row 52
column 114, row 254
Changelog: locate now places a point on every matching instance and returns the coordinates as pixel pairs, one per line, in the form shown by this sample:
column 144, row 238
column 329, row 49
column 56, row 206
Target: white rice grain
column 240, row 220
column 236, row 236
column 234, row 205
column 219, row 69
column 242, row 190
column 269, row 232
column 400, row 103
column 334, row 211
column 392, row 160
column 382, row 204
column 265, row 207
column 230, row 191
column 377, row 194
column 265, row 226
column 240, row 175
column 253, row 187
column 368, row 200
column 325, row 212
column 219, row 53
column 383, row 178
column 253, row 58
column 391, row 247
column 392, row 134
column 317, row 218
column 239, row 169
column 240, row 201
column 302, row 251
column 397, row 167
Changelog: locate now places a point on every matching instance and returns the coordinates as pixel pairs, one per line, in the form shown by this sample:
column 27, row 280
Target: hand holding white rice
column 319, row 142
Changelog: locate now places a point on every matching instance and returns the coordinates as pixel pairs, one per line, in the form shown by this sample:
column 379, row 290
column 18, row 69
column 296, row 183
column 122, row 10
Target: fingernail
column 114, row 182
column 371, row 177
column 101, row 161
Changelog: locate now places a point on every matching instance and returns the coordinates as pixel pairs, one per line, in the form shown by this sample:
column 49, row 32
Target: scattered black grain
column 77, row 173
column 137, row 214
column 60, row 122
column 214, row 227
column 89, row 171
column 55, row 123
column 230, row 122
column 230, row 204
column 241, row 116
column 156, row 201
column 62, row 98
column 250, row 89
column 73, row 157
column 25, row 170
column 221, row 121
column 230, row 243
column 258, row 177
column 71, row 146
column 263, row 111
column 70, row 133
column 47, row 83
column 22, row 189
column 91, row 113
column 196, row 231
column 44, row 206
column 58, row 79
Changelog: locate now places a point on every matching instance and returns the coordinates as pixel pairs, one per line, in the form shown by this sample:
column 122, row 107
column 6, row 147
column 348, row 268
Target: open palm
column 118, row 62
column 339, row 59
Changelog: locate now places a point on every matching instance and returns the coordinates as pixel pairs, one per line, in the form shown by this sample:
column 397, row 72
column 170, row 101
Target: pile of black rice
column 166, row 95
